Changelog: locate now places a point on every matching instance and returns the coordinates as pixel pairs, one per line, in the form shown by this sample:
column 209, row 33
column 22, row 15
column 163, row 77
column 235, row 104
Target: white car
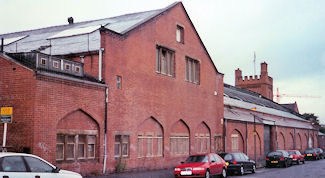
column 21, row 165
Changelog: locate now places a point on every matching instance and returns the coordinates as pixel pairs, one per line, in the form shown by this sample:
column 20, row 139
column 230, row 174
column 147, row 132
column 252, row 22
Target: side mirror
column 182, row 162
column 56, row 170
column 213, row 161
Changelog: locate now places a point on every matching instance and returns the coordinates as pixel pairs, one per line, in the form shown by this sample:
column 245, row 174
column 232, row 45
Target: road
column 311, row 169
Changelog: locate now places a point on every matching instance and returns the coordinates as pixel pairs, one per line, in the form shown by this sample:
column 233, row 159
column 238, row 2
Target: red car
column 202, row 165
column 297, row 157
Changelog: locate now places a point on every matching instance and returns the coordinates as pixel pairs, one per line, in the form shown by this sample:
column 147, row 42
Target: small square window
column 77, row 69
column 180, row 34
column 56, row 64
column 43, row 61
column 67, row 66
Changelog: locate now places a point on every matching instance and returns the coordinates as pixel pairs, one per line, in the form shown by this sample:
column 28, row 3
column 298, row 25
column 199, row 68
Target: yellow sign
column 6, row 111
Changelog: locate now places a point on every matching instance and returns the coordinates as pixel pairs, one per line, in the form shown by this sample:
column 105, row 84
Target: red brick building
column 254, row 124
column 164, row 100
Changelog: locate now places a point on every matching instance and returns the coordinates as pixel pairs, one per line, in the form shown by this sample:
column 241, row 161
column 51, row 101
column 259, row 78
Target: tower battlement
column 262, row 84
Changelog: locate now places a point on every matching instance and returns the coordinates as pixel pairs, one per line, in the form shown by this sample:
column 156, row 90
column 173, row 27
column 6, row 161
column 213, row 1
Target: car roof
column 15, row 154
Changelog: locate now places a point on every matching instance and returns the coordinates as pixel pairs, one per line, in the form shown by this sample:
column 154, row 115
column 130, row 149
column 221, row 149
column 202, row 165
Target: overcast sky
column 289, row 35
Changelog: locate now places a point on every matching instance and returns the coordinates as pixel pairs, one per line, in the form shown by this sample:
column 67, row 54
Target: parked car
column 238, row 162
column 202, row 165
column 311, row 154
column 278, row 158
column 297, row 157
column 21, row 165
column 320, row 153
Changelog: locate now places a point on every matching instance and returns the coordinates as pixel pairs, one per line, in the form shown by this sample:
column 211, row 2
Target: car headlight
column 198, row 169
column 177, row 169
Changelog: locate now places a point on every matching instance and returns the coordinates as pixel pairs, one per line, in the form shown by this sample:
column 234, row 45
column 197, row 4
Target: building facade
column 117, row 94
column 256, row 125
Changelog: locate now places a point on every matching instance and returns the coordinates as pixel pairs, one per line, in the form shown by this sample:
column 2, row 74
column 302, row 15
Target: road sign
column 6, row 114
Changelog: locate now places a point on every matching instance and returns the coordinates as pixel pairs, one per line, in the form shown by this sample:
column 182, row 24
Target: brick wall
column 146, row 93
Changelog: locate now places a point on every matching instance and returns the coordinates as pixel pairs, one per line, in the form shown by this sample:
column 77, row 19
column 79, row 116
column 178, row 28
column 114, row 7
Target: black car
column 311, row 154
column 238, row 162
column 278, row 158
column 320, row 153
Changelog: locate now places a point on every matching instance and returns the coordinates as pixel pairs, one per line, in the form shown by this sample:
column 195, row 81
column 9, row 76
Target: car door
column 14, row 167
column 220, row 164
column 40, row 169
column 247, row 163
column 213, row 165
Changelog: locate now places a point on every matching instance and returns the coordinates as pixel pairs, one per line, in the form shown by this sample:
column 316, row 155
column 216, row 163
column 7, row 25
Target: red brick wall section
column 57, row 99
column 17, row 89
column 145, row 93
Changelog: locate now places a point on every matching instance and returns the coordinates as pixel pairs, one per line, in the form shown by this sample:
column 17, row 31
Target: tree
column 311, row 117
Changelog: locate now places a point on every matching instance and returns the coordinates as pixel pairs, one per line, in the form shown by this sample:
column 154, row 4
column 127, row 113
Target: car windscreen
column 292, row 153
column 309, row 151
column 228, row 157
column 275, row 153
column 198, row 159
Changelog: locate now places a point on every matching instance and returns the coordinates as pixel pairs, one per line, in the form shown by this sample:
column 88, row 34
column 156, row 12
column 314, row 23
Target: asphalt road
column 311, row 169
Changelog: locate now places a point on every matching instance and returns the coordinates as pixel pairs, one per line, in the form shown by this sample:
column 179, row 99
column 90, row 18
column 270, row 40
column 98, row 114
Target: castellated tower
column 262, row 85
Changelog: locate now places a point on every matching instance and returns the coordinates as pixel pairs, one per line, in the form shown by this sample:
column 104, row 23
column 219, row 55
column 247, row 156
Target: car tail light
column 314, row 154
column 235, row 162
column 282, row 158
column 304, row 154
column 267, row 159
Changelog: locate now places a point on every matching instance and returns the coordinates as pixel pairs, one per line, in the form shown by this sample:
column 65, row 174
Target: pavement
column 165, row 173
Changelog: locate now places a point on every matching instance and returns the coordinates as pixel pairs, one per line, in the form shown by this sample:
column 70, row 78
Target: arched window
column 77, row 137
column 202, row 138
column 180, row 139
column 237, row 141
column 150, row 138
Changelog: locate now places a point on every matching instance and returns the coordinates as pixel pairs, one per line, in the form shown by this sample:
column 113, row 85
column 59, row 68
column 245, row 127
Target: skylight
column 75, row 31
column 11, row 40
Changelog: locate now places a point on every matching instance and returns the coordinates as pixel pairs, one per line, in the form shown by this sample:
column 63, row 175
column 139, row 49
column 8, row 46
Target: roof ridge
column 88, row 21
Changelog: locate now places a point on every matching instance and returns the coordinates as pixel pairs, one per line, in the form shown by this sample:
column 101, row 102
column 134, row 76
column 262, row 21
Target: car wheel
column 242, row 171
column 285, row 164
column 254, row 169
column 303, row 161
column 224, row 173
column 298, row 162
column 207, row 174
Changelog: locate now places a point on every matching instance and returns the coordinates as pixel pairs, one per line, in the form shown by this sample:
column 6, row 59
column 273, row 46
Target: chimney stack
column 70, row 20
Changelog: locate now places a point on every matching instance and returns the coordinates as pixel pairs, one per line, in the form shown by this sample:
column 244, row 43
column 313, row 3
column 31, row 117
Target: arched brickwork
column 298, row 142
column 202, row 138
column 77, row 137
column 237, row 141
column 78, row 120
column 306, row 143
column 150, row 138
column 179, row 138
column 281, row 141
column 290, row 142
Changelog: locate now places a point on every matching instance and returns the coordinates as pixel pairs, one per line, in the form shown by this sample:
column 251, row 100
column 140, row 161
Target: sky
column 288, row 35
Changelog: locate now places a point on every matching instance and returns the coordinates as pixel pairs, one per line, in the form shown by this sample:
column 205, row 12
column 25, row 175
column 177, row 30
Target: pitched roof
column 76, row 37
column 247, row 99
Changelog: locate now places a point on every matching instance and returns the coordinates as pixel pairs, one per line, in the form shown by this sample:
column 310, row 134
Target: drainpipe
column 2, row 44
column 100, row 63
column 105, row 130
